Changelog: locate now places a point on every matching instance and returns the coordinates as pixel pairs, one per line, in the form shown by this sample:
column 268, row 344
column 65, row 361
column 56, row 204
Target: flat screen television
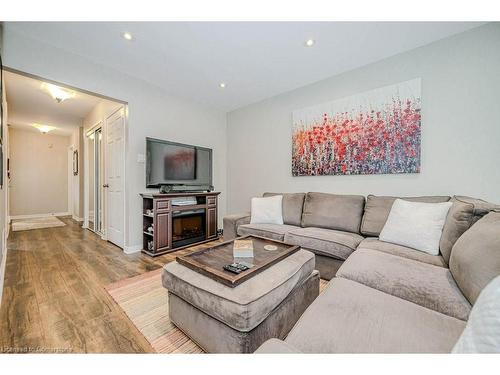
column 170, row 163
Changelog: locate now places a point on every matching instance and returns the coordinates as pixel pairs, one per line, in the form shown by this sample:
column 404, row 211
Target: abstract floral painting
column 375, row 132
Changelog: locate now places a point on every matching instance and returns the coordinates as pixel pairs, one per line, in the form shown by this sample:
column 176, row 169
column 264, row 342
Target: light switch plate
column 141, row 158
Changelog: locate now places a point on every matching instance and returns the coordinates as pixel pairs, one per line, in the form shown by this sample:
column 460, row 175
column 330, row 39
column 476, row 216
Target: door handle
column 105, row 185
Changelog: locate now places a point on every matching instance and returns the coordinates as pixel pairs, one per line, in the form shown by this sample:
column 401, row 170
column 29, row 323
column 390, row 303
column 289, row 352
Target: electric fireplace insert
column 188, row 227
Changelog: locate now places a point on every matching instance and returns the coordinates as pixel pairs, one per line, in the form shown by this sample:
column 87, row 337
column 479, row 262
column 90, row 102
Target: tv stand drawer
column 211, row 201
column 163, row 205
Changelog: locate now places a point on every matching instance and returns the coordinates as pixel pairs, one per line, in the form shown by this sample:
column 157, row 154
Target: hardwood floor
column 54, row 298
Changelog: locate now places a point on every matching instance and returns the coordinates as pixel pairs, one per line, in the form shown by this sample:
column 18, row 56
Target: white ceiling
column 256, row 60
column 29, row 102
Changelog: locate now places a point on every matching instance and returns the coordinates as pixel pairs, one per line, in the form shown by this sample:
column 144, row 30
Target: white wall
column 152, row 113
column 100, row 112
column 460, row 125
column 39, row 173
column 4, row 209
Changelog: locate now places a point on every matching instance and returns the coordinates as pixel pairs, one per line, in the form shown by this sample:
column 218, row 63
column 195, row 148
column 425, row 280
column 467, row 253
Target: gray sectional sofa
column 382, row 297
column 334, row 226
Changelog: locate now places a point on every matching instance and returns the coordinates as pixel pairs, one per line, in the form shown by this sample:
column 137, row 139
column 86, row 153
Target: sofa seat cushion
column 424, row 284
column 329, row 242
column 271, row 231
column 402, row 251
column 349, row 317
column 247, row 305
column 276, row 346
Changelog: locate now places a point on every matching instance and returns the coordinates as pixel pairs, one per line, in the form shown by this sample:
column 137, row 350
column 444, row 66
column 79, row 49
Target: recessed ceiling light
column 310, row 42
column 222, row 85
column 127, row 36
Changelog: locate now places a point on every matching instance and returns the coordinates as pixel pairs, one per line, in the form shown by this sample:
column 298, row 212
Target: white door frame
column 103, row 125
column 86, row 166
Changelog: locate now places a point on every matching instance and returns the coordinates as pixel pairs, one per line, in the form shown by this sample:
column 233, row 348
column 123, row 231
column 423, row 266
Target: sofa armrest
column 275, row 346
column 231, row 223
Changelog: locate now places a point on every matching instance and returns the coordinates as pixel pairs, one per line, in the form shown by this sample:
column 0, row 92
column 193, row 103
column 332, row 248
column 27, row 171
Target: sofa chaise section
column 349, row 317
column 385, row 303
column 426, row 285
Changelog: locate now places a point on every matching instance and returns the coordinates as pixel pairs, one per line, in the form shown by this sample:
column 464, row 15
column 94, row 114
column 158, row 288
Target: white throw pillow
column 267, row 210
column 415, row 224
column 482, row 332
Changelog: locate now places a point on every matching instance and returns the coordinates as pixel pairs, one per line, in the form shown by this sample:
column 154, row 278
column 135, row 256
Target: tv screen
column 176, row 163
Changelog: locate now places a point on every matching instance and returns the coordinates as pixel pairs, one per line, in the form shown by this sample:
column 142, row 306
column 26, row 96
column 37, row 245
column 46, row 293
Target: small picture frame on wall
column 75, row 163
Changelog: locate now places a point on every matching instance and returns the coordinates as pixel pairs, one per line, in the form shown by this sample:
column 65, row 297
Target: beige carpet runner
column 36, row 223
column 145, row 301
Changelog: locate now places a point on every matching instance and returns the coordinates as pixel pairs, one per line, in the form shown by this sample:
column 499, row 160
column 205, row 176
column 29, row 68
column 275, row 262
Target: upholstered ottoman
column 221, row 319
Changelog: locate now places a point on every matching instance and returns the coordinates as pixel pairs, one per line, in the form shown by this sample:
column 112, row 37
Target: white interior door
column 114, row 182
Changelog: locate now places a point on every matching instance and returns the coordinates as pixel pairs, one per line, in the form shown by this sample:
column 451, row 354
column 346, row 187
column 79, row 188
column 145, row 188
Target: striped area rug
column 145, row 301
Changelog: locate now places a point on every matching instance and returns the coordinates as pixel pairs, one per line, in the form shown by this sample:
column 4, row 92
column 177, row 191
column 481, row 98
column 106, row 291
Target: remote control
column 235, row 268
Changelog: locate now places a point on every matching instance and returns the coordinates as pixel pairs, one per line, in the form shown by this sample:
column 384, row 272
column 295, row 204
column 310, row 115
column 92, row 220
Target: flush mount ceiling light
column 44, row 129
column 309, row 42
column 127, row 36
column 58, row 93
column 222, row 85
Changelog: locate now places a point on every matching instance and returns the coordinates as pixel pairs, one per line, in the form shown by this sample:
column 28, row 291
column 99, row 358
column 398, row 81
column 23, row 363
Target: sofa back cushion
column 377, row 210
column 292, row 207
column 332, row 211
column 481, row 207
column 475, row 257
column 463, row 213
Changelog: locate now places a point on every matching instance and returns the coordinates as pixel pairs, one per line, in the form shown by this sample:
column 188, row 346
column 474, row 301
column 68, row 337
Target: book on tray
column 243, row 249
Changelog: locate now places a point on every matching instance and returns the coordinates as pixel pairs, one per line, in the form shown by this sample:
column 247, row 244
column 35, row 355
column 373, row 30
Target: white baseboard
column 76, row 218
column 132, row 249
column 35, row 216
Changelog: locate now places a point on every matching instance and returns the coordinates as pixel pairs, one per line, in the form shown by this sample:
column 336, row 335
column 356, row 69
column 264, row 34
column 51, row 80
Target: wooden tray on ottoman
column 210, row 261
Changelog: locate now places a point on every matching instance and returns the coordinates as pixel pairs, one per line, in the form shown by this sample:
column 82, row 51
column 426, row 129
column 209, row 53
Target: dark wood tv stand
column 176, row 227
